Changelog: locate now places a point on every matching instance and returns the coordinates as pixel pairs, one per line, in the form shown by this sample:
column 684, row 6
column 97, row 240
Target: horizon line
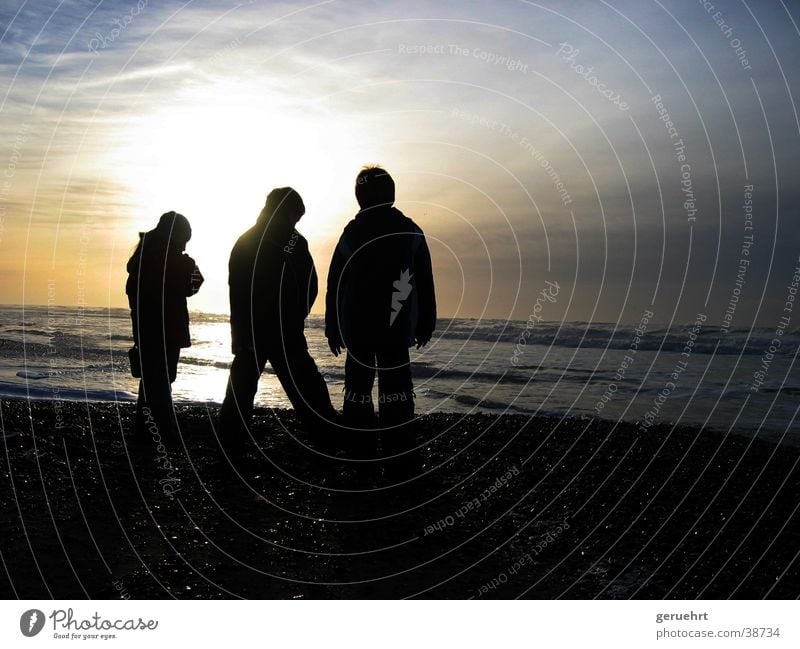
column 438, row 317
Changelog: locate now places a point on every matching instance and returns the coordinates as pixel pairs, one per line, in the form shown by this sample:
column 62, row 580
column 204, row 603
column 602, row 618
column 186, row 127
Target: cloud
column 472, row 107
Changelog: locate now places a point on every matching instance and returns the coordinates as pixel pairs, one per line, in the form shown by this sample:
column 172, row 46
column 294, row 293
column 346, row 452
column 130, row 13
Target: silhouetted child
column 380, row 301
column 160, row 278
column 273, row 285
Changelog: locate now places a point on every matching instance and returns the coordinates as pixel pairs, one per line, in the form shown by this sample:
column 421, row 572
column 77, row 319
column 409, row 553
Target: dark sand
column 667, row 513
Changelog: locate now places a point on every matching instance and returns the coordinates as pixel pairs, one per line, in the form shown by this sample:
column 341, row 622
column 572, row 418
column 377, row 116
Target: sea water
column 691, row 373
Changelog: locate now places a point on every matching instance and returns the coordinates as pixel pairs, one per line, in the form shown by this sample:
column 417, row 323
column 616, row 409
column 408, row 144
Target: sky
column 637, row 154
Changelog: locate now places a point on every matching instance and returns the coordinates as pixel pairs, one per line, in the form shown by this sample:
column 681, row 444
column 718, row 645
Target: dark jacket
column 380, row 282
column 273, row 284
column 160, row 278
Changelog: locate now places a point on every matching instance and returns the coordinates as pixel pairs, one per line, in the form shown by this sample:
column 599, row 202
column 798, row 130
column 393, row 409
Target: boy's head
column 374, row 187
column 285, row 204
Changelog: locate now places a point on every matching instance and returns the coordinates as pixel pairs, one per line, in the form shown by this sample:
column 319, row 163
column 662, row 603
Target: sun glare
column 215, row 153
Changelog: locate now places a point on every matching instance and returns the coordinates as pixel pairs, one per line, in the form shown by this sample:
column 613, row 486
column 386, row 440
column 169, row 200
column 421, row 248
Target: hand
column 422, row 341
column 197, row 278
column 335, row 346
column 196, row 281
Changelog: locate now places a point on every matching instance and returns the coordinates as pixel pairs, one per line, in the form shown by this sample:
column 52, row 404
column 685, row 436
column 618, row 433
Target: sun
column 213, row 154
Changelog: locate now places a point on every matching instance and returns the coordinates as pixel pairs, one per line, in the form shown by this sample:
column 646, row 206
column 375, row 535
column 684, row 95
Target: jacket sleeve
column 308, row 288
column 179, row 275
column 196, row 279
column 237, row 295
column 426, row 293
column 332, row 330
column 313, row 288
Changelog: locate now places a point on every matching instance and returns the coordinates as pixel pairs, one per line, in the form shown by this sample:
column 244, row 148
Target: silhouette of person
column 273, row 284
column 160, row 278
column 380, row 301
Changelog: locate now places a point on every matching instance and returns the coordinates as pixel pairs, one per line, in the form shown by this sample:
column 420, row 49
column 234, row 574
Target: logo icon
column 402, row 289
column 31, row 622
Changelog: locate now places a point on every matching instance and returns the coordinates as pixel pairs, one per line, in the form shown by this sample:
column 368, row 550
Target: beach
column 504, row 506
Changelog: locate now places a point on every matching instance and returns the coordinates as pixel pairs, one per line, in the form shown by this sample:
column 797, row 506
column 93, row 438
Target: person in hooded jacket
column 380, row 301
column 160, row 278
column 273, row 285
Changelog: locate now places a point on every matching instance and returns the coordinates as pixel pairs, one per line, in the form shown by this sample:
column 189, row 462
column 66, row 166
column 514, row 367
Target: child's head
column 176, row 228
column 374, row 187
column 284, row 203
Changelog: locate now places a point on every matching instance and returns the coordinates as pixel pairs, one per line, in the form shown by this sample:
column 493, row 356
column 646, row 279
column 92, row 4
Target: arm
column 196, row 280
column 332, row 330
column 309, row 283
column 181, row 275
column 426, row 294
column 131, row 289
column 313, row 288
column 237, row 297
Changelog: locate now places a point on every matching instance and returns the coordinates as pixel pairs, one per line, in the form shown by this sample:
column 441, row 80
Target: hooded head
column 284, row 205
column 172, row 233
column 175, row 228
column 374, row 188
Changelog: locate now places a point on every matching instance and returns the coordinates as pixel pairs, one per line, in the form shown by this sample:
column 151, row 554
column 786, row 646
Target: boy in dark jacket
column 160, row 278
column 273, row 285
column 380, row 301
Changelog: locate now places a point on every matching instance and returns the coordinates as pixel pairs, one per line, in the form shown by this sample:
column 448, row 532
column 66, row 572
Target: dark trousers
column 298, row 375
column 154, row 411
column 395, row 389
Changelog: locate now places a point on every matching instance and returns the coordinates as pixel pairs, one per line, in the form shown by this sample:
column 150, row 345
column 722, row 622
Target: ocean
column 693, row 374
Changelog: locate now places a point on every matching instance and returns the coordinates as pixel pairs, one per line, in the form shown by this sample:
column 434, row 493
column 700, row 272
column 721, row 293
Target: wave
column 204, row 362
column 508, row 377
column 37, row 373
column 34, row 391
column 604, row 335
column 66, row 346
column 791, row 390
column 468, row 400
column 34, row 375
column 202, row 317
column 113, row 332
column 34, row 332
column 495, row 407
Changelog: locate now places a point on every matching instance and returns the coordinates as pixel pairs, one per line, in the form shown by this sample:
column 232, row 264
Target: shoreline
column 505, row 506
column 130, row 398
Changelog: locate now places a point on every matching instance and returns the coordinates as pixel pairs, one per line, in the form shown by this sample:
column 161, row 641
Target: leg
column 141, row 404
column 359, row 377
column 396, row 403
column 302, row 381
column 173, row 356
column 396, row 396
column 395, row 389
column 154, row 411
column 237, row 407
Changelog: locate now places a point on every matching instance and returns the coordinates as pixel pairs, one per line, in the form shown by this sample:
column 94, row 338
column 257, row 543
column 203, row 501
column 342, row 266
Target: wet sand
column 504, row 506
